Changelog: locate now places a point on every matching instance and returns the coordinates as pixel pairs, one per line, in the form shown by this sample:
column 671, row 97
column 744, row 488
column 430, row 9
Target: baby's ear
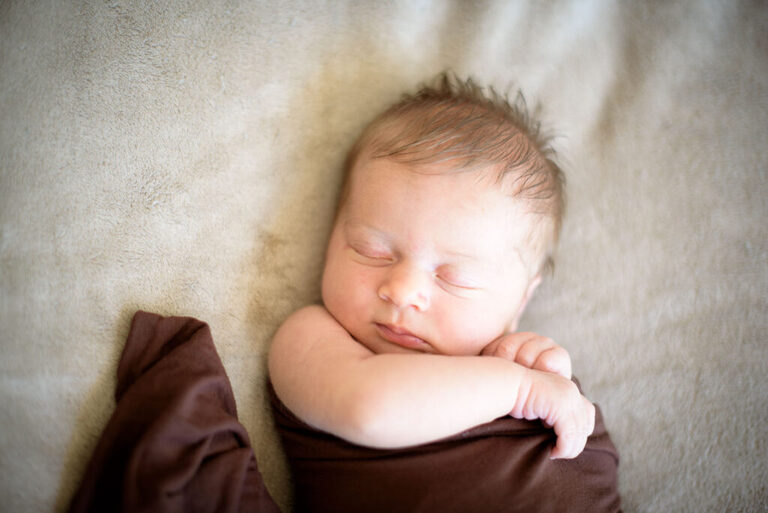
column 535, row 281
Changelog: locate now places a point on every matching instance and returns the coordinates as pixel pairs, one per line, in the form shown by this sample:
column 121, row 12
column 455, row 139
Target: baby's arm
column 532, row 351
column 395, row 400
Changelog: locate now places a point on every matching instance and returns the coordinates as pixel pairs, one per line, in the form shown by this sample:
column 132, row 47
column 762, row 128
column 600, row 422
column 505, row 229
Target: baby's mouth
column 401, row 337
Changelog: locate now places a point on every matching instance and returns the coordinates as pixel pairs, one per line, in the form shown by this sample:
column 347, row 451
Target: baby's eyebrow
column 474, row 258
column 356, row 223
column 463, row 255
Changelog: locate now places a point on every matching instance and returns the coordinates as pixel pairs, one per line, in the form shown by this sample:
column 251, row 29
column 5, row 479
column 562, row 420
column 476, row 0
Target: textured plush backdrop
column 184, row 158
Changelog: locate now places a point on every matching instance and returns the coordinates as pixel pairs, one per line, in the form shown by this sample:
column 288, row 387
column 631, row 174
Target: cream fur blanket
column 184, row 158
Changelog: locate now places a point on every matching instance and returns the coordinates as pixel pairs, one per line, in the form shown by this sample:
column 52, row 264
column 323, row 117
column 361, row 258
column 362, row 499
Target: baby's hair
column 456, row 122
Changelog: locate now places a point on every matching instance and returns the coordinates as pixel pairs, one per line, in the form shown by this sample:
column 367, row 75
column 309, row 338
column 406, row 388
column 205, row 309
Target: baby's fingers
column 532, row 351
column 568, row 447
column 572, row 434
column 555, row 360
column 542, row 353
column 506, row 346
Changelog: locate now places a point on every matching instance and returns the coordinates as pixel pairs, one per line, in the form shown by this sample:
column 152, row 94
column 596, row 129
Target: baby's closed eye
column 371, row 255
column 453, row 280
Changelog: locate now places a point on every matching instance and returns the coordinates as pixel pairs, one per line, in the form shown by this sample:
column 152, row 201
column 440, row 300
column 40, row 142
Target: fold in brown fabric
column 502, row 466
column 173, row 442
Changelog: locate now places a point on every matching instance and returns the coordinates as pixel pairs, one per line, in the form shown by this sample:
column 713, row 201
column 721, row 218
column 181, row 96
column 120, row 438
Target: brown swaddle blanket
column 502, row 466
column 173, row 442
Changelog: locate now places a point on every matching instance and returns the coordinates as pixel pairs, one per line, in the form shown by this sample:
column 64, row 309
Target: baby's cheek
column 334, row 298
column 482, row 326
column 352, row 295
column 467, row 331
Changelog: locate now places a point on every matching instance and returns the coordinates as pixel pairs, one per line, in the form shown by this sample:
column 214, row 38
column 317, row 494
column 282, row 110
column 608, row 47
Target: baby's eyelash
column 452, row 283
column 372, row 255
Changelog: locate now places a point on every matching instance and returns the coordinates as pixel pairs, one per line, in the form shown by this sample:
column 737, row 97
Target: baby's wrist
column 528, row 381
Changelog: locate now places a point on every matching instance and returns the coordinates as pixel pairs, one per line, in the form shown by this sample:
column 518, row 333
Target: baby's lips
column 401, row 336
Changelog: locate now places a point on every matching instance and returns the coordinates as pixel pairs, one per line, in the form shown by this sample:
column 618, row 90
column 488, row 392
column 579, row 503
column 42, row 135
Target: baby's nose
column 407, row 286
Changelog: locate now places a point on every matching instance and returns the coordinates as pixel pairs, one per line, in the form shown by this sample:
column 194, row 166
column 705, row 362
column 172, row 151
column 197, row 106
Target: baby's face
column 426, row 262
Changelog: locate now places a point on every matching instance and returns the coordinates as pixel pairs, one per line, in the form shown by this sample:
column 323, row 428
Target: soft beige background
column 184, row 159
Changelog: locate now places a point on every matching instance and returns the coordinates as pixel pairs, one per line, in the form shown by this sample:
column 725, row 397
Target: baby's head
column 450, row 211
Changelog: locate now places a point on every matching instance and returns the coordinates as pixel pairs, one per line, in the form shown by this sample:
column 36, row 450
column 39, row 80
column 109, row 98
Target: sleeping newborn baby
column 448, row 218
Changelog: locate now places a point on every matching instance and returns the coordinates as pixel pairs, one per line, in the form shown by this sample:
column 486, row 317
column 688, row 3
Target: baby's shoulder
column 310, row 325
column 308, row 337
column 309, row 317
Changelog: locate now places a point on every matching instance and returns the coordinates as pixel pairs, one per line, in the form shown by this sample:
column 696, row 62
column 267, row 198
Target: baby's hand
column 559, row 404
column 532, row 351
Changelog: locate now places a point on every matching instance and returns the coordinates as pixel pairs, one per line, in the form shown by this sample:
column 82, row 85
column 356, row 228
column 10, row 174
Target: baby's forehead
column 492, row 177
column 477, row 190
